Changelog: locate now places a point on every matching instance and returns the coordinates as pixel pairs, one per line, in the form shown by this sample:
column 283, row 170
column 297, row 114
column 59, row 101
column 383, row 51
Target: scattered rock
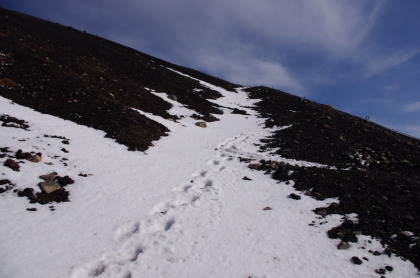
column 173, row 97
column 343, row 245
column 48, row 177
column 31, row 209
column 294, row 196
column 64, row 150
column 245, row 178
column 201, row 124
column 267, row 208
column 12, row 165
column 356, row 260
column 389, row 268
column 49, row 186
column 376, row 253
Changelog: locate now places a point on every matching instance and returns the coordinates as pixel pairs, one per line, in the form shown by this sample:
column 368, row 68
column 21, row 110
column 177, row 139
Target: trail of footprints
column 134, row 238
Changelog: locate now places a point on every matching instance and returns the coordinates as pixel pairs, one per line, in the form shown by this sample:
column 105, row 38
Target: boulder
column 343, row 245
column 34, row 158
column 49, row 186
column 294, row 196
column 201, row 124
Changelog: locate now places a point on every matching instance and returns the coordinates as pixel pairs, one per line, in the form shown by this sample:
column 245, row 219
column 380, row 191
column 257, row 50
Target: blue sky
column 361, row 56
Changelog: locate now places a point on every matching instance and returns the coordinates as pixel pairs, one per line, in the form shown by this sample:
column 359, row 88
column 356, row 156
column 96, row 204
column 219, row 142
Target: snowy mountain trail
column 187, row 207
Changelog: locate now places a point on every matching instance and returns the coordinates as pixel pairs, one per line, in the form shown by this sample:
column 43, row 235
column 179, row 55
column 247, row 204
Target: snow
column 181, row 209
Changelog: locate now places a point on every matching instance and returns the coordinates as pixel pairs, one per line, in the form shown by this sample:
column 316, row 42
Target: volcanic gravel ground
column 376, row 174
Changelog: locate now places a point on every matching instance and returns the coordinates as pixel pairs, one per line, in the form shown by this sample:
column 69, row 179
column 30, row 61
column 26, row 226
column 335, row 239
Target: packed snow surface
column 181, row 209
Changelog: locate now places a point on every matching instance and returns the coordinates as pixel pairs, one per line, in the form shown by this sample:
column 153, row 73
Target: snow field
column 181, row 209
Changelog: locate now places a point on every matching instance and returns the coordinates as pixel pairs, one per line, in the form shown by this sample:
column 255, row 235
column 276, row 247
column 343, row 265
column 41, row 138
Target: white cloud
column 412, row 107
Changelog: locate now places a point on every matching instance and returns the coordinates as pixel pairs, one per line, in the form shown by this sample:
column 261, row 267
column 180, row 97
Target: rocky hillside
column 92, row 81
column 374, row 172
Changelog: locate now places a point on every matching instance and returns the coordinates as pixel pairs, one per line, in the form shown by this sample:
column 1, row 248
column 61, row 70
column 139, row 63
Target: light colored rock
column 201, row 124
column 49, row 186
column 48, row 177
column 34, row 158
column 343, row 245
column 173, row 97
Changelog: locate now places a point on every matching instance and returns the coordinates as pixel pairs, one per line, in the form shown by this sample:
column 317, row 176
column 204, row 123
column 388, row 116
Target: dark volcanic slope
column 92, row 81
column 378, row 174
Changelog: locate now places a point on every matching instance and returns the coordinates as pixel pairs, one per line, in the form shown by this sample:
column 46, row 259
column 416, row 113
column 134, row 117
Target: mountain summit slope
column 238, row 182
column 93, row 81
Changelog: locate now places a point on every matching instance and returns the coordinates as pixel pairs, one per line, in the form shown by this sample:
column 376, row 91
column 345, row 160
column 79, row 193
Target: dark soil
column 377, row 171
column 94, row 82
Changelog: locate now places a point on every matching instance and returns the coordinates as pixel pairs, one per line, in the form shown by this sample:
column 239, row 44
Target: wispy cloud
column 378, row 64
column 412, row 107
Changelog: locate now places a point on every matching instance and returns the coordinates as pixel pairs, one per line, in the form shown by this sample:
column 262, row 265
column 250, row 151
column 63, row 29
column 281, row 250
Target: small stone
column 356, row 260
column 201, row 124
column 389, row 268
column 321, row 212
column 170, row 119
column 12, row 165
column 49, row 186
column 48, row 177
column 294, row 196
column 254, row 166
column 340, row 235
column 410, row 218
column 245, row 178
column 31, row 209
column 376, row 253
column 343, row 245
column 34, row 158
column 173, row 97
column 267, row 208
column 380, row 271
